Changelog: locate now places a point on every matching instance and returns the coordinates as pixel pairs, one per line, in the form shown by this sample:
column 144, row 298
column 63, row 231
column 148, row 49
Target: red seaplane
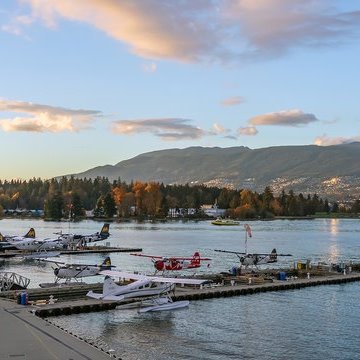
column 172, row 263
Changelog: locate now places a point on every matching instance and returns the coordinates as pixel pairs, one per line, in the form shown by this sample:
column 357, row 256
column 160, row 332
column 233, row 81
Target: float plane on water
column 254, row 259
column 77, row 271
column 143, row 285
column 173, row 263
column 247, row 260
column 81, row 239
column 7, row 242
column 33, row 246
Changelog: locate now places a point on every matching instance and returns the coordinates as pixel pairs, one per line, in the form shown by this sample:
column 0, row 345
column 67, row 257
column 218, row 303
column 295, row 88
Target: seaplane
column 76, row 272
column 7, row 241
column 81, row 239
column 31, row 246
column 142, row 285
column 173, row 263
column 29, row 235
column 246, row 259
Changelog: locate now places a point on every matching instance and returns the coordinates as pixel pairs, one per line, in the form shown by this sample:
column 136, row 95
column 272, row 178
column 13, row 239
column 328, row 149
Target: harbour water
column 311, row 323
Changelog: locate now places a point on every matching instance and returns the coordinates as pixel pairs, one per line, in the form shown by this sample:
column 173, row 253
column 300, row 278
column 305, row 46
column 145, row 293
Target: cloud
column 153, row 29
column 208, row 30
column 218, row 129
column 271, row 28
column 168, row 129
column 248, row 131
column 235, row 100
column 43, row 118
column 324, row 140
column 292, row 117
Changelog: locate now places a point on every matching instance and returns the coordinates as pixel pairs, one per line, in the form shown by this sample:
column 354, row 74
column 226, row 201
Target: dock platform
column 92, row 250
column 30, row 337
column 236, row 287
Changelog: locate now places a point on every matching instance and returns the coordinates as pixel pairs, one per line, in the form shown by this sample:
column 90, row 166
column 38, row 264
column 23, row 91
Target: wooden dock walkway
column 182, row 293
column 92, row 250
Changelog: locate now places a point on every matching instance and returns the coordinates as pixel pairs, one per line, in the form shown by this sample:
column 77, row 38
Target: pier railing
column 12, row 281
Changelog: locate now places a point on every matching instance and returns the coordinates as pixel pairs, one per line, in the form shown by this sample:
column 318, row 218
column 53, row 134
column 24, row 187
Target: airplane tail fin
column 30, row 234
column 109, row 286
column 104, row 233
column 196, row 258
column 106, row 265
column 273, row 256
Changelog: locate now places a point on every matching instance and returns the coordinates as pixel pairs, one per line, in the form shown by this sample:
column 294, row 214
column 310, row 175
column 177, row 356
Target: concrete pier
column 26, row 336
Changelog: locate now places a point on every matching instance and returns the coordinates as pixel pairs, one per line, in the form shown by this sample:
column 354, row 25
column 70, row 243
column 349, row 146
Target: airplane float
column 173, row 263
column 143, row 285
column 77, row 271
column 80, row 239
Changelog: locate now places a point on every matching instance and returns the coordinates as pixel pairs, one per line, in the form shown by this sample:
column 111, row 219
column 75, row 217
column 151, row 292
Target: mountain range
column 332, row 172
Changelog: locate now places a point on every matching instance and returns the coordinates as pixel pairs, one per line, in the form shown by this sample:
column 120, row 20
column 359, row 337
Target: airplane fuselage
column 73, row 271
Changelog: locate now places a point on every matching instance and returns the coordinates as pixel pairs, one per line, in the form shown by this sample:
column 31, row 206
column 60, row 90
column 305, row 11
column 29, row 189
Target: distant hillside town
column 331, row 172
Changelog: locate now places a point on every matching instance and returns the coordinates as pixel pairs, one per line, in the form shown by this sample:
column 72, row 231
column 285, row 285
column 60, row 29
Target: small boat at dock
column 225, row 222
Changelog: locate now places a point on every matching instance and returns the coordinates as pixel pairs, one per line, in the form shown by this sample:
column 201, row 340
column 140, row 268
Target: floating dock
column 232, row 286
column 89, row 250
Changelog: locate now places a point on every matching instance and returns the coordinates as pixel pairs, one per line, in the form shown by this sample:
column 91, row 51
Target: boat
column 220, row 221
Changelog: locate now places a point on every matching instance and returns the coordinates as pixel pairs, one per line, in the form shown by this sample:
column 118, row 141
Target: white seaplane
column 75, row 272
column 142, row 286
column 81, row 239
column 31, row 246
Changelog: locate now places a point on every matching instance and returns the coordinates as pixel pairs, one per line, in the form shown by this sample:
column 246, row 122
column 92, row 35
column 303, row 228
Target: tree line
column 71, row 197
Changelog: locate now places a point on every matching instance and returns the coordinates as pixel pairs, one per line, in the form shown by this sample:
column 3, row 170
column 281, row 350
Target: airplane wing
column 231, row 252
column 243, row 253
column 185, row 258
column 149, row 256
column 132, row 276
column 167, row 257
column 52, row 261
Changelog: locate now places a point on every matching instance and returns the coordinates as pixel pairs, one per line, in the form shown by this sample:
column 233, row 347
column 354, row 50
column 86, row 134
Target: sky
column 93, row 82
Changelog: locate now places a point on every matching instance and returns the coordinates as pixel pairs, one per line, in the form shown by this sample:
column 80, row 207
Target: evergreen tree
column 77, row 210
column 109, row 205
column 54, row 206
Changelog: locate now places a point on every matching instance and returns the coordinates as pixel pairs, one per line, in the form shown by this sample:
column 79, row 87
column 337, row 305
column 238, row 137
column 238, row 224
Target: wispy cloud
column 270, row 28
column 248, row 131
column 218, row 129
column 292, row 117
column 216, row 30
column 168, row 129
column 16, row 25
column 325, row 140
column 232, row 101
column 31, row 117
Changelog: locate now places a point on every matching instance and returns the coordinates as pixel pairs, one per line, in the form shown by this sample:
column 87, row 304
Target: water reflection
column 334, row 253
column 334, row 226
